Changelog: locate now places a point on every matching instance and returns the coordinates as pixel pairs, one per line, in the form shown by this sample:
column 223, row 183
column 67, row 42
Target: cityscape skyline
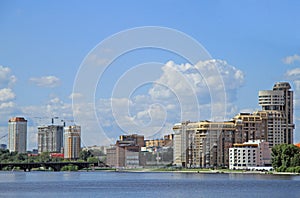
column 43, row 46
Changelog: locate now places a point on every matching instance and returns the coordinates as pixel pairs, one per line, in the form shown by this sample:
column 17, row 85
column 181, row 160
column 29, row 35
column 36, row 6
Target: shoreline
column 199, row 171
column 186, row 171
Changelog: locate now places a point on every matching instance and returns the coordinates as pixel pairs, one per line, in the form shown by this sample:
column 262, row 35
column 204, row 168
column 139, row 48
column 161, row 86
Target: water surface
column 123, row 184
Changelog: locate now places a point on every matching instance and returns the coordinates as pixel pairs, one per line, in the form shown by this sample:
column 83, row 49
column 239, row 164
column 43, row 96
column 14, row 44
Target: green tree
column 85, row 154
column 92, row 159
column 44, row 157
column 285, row 156
column 276, row 156
column 296, row 160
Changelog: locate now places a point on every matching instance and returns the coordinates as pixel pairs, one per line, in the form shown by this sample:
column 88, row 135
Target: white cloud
column 6, row 94
column 5, row 105
column 181, row 92
column 171, row 99
column 75, row 95
column 46, row 81
column 293, row 74
column 6, row 78
column 291, row 59
column 201, row 81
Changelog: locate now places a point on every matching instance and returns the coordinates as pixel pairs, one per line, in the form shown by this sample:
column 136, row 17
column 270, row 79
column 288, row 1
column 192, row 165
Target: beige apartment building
column 72, row 141
column 277, row 113
column 206, row 144
column 166, row 141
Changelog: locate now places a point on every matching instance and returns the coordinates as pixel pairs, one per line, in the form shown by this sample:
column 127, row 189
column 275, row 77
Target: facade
column 206, row 144
column 111, row 156
column 277, row 112
column 50, row 139
column 72, row 141
column 250, row 155
column 127, row 152
column 203, row 144
column 180, row 144
column 17, row 134
column 167, row 141
column 250, row 127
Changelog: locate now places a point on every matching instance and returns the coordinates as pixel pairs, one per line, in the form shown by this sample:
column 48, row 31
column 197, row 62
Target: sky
column 47, row 46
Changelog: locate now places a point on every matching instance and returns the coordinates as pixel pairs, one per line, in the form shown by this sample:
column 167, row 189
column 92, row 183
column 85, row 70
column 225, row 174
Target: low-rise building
column 126, row 152
column 249, row 155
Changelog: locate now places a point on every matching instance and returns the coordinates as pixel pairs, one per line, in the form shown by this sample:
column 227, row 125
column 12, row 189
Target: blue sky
column 43, row 43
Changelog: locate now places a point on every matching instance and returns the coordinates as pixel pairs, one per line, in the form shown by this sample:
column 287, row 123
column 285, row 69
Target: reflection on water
column 121, row 184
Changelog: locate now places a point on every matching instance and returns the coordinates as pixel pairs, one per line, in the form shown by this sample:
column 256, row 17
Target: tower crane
column 64, row 121
column 3, row 136
column 52, row 118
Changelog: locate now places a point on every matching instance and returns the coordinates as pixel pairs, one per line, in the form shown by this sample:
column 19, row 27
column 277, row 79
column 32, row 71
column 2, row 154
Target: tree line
column 15, row 157
column 286, row 158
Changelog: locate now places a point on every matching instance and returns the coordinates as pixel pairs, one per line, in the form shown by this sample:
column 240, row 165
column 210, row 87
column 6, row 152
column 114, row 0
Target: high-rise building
column 206, row 144
column 17, row 134
column 180, row 144
column 72, row 141
column 277, row 111
column 50, row 138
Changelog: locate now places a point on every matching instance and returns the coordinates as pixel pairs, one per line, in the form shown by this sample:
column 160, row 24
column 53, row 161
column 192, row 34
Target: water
column 121, row 184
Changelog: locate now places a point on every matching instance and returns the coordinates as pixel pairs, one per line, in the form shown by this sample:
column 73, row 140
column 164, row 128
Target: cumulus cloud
column 6, row 94
column 293, row 74
column 202, row 81
column 5, row 105
column 182, row 92
column 46, row 81
column 6, row 78
column 291, row 59
column 75, row 95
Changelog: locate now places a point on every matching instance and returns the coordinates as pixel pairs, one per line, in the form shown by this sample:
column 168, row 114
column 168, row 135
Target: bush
column 297, row 169
column 281, row 169
column 70, row 168
column 290, row 169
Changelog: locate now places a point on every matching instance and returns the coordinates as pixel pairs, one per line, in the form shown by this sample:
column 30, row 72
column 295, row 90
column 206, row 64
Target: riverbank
column 171, row 170
column 204, row 171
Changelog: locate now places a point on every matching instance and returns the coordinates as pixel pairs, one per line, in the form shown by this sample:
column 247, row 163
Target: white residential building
column 17, row 134
column 249, row 154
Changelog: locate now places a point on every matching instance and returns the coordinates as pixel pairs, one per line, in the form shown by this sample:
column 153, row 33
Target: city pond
column 146, row 184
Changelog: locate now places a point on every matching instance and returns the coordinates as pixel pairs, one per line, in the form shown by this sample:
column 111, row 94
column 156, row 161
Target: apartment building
column 277, row 113
column 250, row 155
column 50, row 138
column 206, row 144
column 17, row 134
column 72, row 141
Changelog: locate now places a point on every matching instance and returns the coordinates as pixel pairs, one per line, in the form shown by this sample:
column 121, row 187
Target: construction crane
column 3, row 136
column 64, row 121
column 52, row 119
